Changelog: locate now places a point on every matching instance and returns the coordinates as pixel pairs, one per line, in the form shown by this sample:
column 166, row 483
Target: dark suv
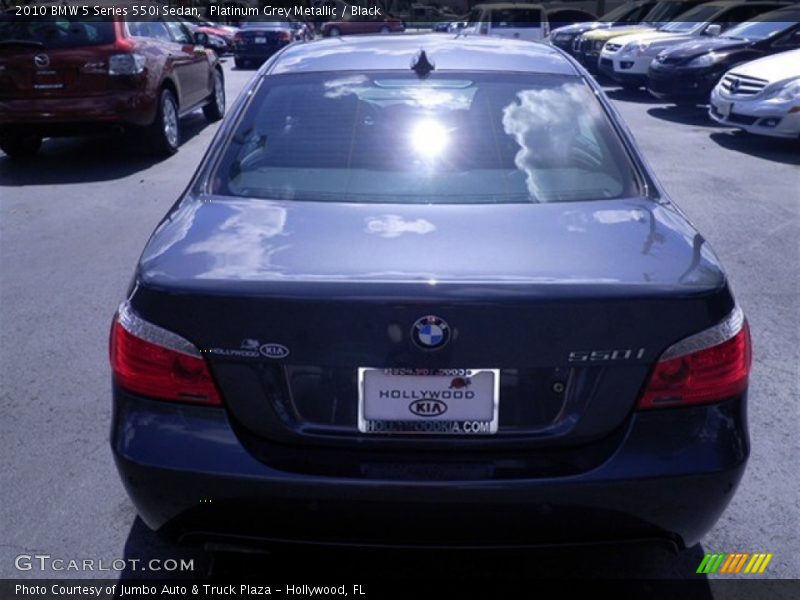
column 62, row 76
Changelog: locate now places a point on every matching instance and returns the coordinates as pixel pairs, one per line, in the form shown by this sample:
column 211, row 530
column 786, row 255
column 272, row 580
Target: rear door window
column 150, row 29
column 179, row 33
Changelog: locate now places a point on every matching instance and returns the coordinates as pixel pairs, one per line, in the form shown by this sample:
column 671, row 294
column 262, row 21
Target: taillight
column 284, row 36
column 126, row 64
column 707, row 367
column 154, row 362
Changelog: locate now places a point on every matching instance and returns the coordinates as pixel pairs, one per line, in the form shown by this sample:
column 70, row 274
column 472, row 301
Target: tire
column 21, row 146
column 215, row 109
column 164, row 134
column 239, row 62
column 334, row 32
column 384, row 30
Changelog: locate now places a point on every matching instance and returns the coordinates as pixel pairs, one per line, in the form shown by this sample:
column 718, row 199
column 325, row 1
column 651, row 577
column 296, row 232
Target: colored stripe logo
column 735, row 562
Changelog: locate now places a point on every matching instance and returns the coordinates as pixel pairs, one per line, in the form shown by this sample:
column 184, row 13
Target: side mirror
column 713, row 30
column 201, row 38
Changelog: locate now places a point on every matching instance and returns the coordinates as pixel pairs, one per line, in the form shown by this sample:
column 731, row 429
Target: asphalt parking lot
column 74, row 220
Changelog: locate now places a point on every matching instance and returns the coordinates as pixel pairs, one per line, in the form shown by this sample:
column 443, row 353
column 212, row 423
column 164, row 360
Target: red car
column 362, row 24
column 72, row 76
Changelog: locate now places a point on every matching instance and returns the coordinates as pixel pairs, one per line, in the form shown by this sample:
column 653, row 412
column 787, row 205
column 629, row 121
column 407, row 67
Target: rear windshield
column 516, row 18
column 450, row 138
column 58, row 32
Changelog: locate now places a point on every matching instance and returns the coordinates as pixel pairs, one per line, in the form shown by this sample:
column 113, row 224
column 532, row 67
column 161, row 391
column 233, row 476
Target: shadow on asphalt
column 776, row 149
column 687, row 115
column 640, row 562
column 91, row 158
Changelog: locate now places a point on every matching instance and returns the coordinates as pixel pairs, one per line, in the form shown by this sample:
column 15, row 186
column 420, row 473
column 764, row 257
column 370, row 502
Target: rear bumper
column 54, row 116
column 185, row 467
column 257, row 51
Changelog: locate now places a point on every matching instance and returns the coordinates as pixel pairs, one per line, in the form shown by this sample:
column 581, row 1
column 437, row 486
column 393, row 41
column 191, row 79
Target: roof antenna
column 421, row 65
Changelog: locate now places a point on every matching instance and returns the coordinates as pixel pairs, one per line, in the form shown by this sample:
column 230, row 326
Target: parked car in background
column 590, row 44
column 256, row 41
column 362, row 24
column 423, row 16
column 65, row 76
column 686, row 73
column 626, row 59
column 761, row 96
column 213, row 42
column 569, row 277
column 224, row 32
column 513, row 21
column 303, row 31
column 626, row 14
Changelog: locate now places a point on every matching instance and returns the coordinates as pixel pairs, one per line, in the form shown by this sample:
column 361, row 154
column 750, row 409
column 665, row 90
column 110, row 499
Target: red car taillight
column 284, row 36
column 704, row 368
column 151, row 361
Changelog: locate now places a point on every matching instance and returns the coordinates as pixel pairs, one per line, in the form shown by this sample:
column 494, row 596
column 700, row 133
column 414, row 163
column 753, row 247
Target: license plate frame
column 470, row 396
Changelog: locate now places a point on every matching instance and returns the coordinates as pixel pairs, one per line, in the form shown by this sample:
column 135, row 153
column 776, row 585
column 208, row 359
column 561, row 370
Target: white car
column 515, row 21
column 626, row 58
column 762, row 96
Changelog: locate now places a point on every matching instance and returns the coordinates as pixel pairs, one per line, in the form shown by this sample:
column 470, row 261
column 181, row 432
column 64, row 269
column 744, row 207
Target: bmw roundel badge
column 430, row 332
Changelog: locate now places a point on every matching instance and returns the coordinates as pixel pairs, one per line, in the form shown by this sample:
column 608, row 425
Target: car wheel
column 164, row 133
column 334, row 32
column 215, row 109
column 21, row 146
column 384, row 29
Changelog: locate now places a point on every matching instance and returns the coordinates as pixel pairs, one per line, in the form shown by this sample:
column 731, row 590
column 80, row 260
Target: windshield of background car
column 667, row 10
column 757, row 30
column 59, row 32
column 691, row 19
column 454, row 137
column 618, row 14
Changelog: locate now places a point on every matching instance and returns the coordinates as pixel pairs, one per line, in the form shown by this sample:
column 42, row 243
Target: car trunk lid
column 570, row 303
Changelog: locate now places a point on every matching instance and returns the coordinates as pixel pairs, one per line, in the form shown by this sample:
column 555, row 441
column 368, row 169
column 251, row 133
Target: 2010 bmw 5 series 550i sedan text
column 425, row 291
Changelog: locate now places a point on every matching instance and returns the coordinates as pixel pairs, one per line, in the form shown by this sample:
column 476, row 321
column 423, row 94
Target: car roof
column 396, row 52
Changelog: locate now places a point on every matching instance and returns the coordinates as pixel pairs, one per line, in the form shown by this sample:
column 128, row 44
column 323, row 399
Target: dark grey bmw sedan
column 420, row 279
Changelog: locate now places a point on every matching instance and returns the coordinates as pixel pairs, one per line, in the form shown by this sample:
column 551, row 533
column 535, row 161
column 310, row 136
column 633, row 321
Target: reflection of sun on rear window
column 449, row 138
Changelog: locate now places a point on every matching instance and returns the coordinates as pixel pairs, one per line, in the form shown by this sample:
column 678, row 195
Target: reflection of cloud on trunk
column 242, row 246
column 390, row 226
column 544, row 124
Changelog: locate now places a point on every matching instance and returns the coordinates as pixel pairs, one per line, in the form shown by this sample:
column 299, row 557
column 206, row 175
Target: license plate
column 47, row 80
column 428, row 401
column 260, row 40
column 725, row 108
